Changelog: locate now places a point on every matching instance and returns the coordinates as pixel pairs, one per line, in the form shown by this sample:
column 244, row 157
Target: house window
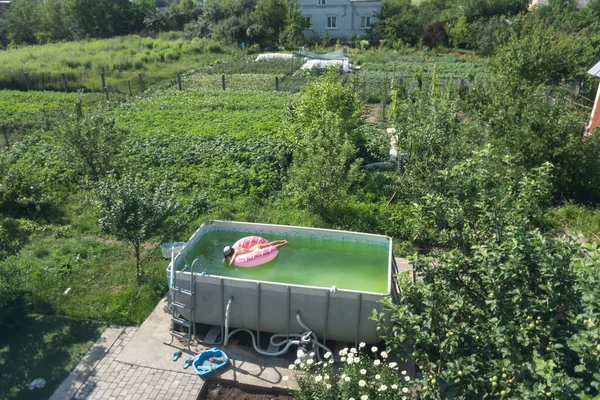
column 365, row 22
column 322, row 2
column 331, row 22
column 307, row 18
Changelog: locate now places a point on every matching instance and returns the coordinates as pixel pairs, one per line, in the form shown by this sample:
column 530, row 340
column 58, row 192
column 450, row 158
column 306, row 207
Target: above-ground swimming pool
column 334, row 279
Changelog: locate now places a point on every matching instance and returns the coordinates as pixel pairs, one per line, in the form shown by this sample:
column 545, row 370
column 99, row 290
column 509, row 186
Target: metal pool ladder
column 180, row 298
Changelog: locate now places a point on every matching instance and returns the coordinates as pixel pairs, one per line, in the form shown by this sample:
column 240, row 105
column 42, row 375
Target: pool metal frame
column 193, row 277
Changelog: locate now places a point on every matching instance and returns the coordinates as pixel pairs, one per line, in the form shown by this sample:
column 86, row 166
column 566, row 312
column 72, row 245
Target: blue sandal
column 176, row 355
column 188, row 362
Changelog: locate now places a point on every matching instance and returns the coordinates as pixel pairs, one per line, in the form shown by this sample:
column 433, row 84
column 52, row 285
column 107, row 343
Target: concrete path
column 147, row 349
column 101, row 376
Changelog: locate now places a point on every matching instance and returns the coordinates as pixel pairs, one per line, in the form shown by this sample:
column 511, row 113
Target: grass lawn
column 46, row 347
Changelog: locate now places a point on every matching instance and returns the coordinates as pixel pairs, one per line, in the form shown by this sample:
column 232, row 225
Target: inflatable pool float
column 257, row 257
column 209, row 360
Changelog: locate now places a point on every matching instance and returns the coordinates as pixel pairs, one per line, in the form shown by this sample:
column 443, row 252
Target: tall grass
column 121, row 59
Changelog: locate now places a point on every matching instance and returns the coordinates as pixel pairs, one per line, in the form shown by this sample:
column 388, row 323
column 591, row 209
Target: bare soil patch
column 222, row 391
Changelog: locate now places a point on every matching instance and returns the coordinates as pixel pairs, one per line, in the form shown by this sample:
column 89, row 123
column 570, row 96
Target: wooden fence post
column 277, row 83
column 104, row 88
column 292, row 65
column 179, row 81
column 129, row 84
column 27, row 86
column 223, row 81
column 141, row 80
column 384, row 98
column 64, row 79
column 4, row 131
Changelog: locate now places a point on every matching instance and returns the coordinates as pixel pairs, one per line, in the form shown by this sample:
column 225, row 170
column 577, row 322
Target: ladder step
column 212, row 335
column 182, row 306
column 181, row 336
column 182, row 290
column 181, row 322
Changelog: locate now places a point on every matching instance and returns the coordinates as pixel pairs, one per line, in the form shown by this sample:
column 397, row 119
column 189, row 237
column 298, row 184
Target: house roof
column 595, row 70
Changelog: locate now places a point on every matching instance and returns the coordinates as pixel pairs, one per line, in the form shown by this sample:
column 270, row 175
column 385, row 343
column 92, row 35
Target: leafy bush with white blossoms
column 360, row 377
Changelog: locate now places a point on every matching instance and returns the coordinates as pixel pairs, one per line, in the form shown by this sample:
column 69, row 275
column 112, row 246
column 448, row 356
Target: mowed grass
column 121, row 58
column 46, row 347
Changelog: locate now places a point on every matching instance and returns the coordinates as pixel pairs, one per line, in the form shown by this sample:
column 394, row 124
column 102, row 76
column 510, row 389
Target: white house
column 339, row 18
column 580, row 3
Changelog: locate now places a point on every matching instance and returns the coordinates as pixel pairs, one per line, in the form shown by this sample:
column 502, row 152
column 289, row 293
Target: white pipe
column 288, row 343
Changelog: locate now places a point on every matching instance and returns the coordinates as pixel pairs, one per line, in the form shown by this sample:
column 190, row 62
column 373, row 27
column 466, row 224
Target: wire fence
column 372, row 88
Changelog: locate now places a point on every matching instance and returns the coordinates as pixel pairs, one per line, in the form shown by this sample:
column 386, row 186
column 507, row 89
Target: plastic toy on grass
column 209, row 360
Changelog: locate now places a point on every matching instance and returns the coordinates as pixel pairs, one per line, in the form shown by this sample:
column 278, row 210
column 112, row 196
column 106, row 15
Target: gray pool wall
column 333, row 314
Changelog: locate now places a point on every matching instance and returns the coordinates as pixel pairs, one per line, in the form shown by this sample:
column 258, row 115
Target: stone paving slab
column 147, row 349
column 88, row 364
column 109, row 379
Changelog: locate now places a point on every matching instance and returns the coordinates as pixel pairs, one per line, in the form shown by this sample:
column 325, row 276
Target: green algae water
column 311, row 261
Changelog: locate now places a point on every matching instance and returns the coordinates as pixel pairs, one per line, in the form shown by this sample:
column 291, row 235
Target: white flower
column 285, row 378
column 350, row 360
column 310, row 362
column 376, row 362
column 377, row 376
column 384, row 354
column 331, row 361
column 404, row 398
column 403, row 372
column 353, row 350
column 318, row 378
column 361, row 345
column 374, row 349
column 362, row 383
column 394, row 386
column 356, row 360
column 312, row 354
column 363, row 371
column 404, row 390
column 364, row 397
column 343, row 359
column 351, row 398
column 297, row 361
column 292, row 366
column 343, row 376
column 407, row 378
column 392, row 364
column 382, row 388
column 325, row 377
column 328, row 386
column 300, row 353
column 344, row 351
column 347, row 379
column 327, row 355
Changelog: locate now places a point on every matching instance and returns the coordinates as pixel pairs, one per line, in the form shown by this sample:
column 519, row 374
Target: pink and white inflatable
column 257, row 257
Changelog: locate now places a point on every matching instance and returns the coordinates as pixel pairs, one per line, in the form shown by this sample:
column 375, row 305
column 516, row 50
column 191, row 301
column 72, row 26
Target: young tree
column 133, row 213
column 272, row 14
column 90, row 142
column 324, row 132
column 399, row 19
column 23, row 21
column 510, row 314
column 325, row 165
